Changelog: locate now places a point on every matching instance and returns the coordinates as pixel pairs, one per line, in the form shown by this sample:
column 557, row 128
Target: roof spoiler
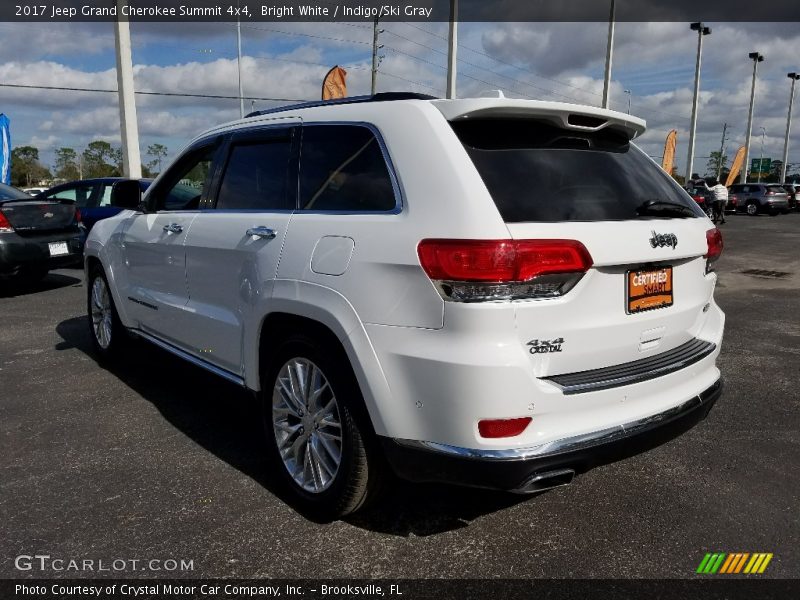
column 566, row 116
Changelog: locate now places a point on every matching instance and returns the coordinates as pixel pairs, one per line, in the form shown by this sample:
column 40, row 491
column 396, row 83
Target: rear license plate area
column 648, row 289
column 58, row 248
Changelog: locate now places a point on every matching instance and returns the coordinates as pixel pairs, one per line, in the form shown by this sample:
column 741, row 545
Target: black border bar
column 400, row 10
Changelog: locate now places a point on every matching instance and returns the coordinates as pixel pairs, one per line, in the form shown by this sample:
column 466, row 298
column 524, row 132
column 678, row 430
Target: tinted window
column 537, row 172
column 342, row 169
column 80, row 194
column 256, row 176
column 183, row 185
column 7, row 193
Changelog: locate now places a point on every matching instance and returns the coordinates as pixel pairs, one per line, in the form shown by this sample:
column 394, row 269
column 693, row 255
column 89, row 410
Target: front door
column 154, row 278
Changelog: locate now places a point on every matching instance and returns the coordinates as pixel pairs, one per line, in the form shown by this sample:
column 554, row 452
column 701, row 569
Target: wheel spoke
column 308, row 430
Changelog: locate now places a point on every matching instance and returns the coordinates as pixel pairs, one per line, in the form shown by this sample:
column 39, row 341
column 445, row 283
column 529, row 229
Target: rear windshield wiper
column 663, row 208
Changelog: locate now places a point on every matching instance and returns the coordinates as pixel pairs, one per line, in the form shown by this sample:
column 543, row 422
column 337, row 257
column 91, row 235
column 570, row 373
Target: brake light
column 503, row 428
column 5, row 226
column 770, row 193
column 714, row 241
column 480, row 270
column 78, row 217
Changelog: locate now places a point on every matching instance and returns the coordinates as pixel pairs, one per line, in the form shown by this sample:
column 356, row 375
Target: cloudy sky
column 552, row 61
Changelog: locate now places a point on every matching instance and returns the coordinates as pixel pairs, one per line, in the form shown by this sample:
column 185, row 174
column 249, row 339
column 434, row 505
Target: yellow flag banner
column 738, row 163
column 334, row 85
column 668, row 161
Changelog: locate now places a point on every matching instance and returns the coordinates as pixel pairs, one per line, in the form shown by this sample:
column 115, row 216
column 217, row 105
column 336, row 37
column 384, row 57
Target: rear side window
column 80, row 194
column 538, row 172
column 342, row 168
column 256, row 177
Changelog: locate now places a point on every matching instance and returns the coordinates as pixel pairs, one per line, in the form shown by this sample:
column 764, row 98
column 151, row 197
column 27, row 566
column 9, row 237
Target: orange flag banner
column 668, row 161
column 334, row 85
column 738, row 163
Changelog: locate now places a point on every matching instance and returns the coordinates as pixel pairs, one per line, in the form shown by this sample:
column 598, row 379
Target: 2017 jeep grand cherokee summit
column 493, row 292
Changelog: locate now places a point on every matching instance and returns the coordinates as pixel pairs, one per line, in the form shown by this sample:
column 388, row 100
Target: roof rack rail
column 380, row 97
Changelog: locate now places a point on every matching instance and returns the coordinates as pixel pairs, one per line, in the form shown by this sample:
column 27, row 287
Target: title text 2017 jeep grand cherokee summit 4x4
column 492, row 292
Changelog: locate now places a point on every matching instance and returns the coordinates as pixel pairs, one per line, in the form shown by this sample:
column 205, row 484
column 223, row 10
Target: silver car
column 756, row 198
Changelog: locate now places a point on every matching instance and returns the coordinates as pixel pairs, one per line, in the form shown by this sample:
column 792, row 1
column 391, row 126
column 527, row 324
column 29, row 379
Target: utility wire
column 211, row 96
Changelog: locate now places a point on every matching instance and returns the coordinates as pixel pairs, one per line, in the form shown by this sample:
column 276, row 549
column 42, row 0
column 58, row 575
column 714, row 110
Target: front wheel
column 316, row 430
column 105, row 328
column 752, row 208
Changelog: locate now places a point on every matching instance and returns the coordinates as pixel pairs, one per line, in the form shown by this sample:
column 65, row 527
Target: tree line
column 98, row 159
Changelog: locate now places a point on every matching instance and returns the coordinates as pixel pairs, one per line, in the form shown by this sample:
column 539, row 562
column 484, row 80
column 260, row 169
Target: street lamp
column 702, row 31
column 629, row 100
column 756, row 58
column 794, row 77
column 761, row 159
column 609, row 56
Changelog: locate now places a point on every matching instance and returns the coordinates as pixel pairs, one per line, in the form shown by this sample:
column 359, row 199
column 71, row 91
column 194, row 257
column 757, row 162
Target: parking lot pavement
column 156, row 459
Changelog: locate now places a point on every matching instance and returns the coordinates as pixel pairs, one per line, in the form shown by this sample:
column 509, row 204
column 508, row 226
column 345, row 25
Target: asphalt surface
column 157, row 459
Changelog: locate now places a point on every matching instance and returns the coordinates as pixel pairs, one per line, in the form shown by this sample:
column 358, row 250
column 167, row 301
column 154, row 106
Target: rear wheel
column 316, row 429
column 105, row 328
column 752, row 208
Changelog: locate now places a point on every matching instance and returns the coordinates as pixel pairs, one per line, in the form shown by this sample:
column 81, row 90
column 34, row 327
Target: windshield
column 538, row 172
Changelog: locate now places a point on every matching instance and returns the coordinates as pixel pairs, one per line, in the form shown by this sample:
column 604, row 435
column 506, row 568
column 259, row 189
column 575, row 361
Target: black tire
column 118, row 336
column 361, row 469
column 752, row 208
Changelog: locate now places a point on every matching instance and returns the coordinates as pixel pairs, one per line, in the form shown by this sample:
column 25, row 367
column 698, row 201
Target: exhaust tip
column 540, row 482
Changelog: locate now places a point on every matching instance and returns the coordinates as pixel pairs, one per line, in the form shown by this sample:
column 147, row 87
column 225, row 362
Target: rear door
column 647, row 287
column 234, row 246
column 153, row 275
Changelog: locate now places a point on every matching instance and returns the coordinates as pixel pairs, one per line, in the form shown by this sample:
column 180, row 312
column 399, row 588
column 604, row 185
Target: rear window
column 778, row 189
column 538, row 172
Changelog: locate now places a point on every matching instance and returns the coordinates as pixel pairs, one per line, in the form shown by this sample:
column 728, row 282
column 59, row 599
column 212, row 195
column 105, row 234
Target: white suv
column 492, row 292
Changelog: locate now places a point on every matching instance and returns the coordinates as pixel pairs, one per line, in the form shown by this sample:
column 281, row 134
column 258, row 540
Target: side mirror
column 126, row 194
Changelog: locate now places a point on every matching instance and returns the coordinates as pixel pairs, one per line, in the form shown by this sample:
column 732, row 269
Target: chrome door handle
column 261, row 232
column 173, row 228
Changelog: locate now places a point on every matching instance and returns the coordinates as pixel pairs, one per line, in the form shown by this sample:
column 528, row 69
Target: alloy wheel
column 307, row 425
column 102, row 318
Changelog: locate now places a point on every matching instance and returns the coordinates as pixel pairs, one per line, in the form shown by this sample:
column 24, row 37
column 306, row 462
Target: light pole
column 761, row 156
column 702, row 31
column 722, row 158
column 239, row 61
column 609, row 56
column 452, row 51
column 629, row 100
column 794, row 77
column 756, row 58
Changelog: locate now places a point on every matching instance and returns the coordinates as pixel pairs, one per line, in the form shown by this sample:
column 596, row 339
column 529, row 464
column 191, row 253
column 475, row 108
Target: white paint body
column 429, row 369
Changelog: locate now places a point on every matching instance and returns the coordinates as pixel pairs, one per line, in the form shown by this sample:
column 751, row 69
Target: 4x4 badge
column 545, row 346
column 659, row 240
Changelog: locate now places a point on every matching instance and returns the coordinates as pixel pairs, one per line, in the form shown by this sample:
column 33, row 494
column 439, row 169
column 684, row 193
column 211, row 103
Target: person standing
column 720, row 195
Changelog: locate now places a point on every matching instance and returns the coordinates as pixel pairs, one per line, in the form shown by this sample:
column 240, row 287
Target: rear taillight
column 78, row 218
column 714, row 241
column 5, row 226
column 502, row 428
column 485, row 270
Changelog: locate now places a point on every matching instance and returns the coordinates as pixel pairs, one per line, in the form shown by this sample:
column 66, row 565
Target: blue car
column 92, row 197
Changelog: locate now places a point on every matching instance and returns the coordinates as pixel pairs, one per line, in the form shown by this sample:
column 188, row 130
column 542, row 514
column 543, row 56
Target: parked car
column 702, row 196
column 93, row 196
column 793, row 192
column 424, row 285
column 757, row 198
column 34, row 191
column 37, row 235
